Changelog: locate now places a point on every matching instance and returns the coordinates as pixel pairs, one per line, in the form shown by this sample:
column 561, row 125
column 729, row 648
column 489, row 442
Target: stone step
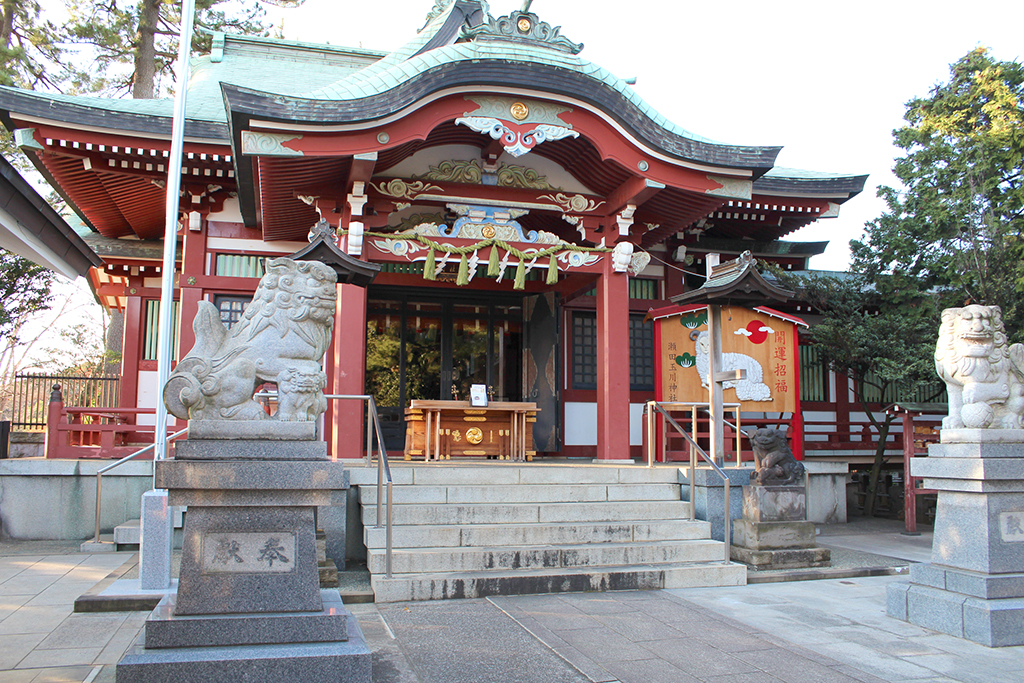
column 328, row 573
column 129, row 533
column 524, row 493
column 531, row 513
column 478, row 535
column 420, row 560
column 526, row 582
column 454, row 474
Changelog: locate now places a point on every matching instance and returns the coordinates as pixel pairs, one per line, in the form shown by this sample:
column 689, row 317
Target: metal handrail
column 695, row 449
column 383, row 468
column 693, row 408
column 100, row 472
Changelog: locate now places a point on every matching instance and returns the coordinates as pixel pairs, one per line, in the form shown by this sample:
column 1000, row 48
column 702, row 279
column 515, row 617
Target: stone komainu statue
column 281, row 338
column 773, row 460
column 984, row 375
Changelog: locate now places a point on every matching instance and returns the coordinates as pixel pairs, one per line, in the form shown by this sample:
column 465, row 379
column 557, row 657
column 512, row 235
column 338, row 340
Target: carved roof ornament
column 522, row 26
column 435, row 11
column 735, row 283
column 472, row 172
column 516, row 141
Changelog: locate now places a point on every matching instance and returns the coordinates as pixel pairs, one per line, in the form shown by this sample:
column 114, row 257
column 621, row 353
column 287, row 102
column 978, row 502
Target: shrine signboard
column 761, row 341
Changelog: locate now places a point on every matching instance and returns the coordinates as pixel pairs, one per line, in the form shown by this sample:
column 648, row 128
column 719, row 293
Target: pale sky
column 826, row 80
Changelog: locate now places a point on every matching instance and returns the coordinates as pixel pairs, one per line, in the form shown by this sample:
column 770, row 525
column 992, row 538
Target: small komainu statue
column 281, row 338
column 773, row 460
column 982, row 372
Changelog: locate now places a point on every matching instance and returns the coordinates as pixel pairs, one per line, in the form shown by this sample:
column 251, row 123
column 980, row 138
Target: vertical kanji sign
column 760, row 341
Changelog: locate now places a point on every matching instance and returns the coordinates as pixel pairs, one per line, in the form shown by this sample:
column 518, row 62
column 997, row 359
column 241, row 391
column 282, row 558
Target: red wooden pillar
column 612, row 364
column 131, row 347
column 193, row 264
column 344, row 427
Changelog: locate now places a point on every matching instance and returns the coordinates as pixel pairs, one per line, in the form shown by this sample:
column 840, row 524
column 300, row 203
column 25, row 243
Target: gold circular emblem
column 524, row 25
column 519, row 111
column 474, row 435
column 488, row 231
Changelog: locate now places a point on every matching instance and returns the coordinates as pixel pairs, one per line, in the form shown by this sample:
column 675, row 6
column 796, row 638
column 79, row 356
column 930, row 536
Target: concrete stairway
column 464, row 531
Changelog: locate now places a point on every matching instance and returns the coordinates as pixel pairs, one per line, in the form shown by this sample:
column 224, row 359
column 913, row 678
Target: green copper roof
column 407, row 62
column 276, row 66
column 803, row 174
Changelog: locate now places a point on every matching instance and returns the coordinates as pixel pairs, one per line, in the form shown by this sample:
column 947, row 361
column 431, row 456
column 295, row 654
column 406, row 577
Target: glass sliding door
column 420, row 349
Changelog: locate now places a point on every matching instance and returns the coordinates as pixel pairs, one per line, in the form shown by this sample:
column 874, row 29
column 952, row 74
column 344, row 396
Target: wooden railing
column 30, row 400
column 74, row 433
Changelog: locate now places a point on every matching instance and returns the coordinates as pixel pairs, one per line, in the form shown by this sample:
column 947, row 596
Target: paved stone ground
column 41, row 640
column 813, row 631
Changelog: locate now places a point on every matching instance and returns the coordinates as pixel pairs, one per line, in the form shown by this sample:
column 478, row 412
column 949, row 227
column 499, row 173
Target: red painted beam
column 635, row 191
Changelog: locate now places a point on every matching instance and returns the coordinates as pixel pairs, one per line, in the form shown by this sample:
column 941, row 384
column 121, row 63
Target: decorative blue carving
column 477, row 217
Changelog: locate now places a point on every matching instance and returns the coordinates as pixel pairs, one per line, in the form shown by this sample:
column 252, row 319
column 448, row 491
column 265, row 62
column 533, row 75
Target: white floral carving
column 398, row 247
column 578, row 259
column 575, row 203
column 638, row 263
column 515, row 143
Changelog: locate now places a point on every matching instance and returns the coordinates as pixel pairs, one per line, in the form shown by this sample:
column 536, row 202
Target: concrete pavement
column 829, row 630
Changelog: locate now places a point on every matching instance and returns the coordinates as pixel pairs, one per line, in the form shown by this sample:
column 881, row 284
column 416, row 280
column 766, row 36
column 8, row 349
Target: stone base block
column 348, row 661
column 994, row 623
column 164, row 629
column 250, row 475
column 709, row 496
column 982, row 436
column 775, row 503
column 782, row 559
column 270, row 430
column 249, row 449
column 772, row 535
column 248, row 560
column 328, row 574
column 974, row 584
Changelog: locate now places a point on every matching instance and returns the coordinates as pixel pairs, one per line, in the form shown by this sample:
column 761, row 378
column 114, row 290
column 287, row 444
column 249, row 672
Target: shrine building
column 525, row 207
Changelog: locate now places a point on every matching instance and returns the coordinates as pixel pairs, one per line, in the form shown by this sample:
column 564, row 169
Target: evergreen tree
column 30, row 51
column 955, row 225
column 135, row 43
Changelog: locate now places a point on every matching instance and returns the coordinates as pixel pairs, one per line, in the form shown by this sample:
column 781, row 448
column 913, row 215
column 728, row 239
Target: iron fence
column 32, row 396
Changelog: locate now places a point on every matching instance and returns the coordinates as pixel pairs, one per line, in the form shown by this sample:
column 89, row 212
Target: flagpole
column 174, row 161
column 157, row 531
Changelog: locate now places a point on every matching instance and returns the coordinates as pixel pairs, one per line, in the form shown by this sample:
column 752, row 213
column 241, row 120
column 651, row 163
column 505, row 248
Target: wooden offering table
column 437, row 430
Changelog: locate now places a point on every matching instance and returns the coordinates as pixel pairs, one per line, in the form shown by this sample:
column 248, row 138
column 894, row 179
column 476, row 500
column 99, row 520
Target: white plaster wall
column 581, row 424
column 231, row 213
column 147, row 395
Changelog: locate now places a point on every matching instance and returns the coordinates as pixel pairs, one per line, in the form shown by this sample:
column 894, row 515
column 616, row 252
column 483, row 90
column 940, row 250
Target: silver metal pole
column 715, row 366
column 727, row 525
column 166, row 320
column 171, row 225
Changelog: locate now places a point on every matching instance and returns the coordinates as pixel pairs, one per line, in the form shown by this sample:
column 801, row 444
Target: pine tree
column 955, row 226
column 30, row 50
column 135, row 43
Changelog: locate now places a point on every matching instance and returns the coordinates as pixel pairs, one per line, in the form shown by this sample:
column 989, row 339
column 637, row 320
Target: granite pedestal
column 974, row 586
column 709, row 496
column 774, row 532
column 249, row 604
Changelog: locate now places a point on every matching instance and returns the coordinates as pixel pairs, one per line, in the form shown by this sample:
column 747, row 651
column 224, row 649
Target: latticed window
column 231, row 308
column 240, row 265
column 813, row 375
column 151, row 340
column 584, row 352
column 641, row 354
column 643, row 289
